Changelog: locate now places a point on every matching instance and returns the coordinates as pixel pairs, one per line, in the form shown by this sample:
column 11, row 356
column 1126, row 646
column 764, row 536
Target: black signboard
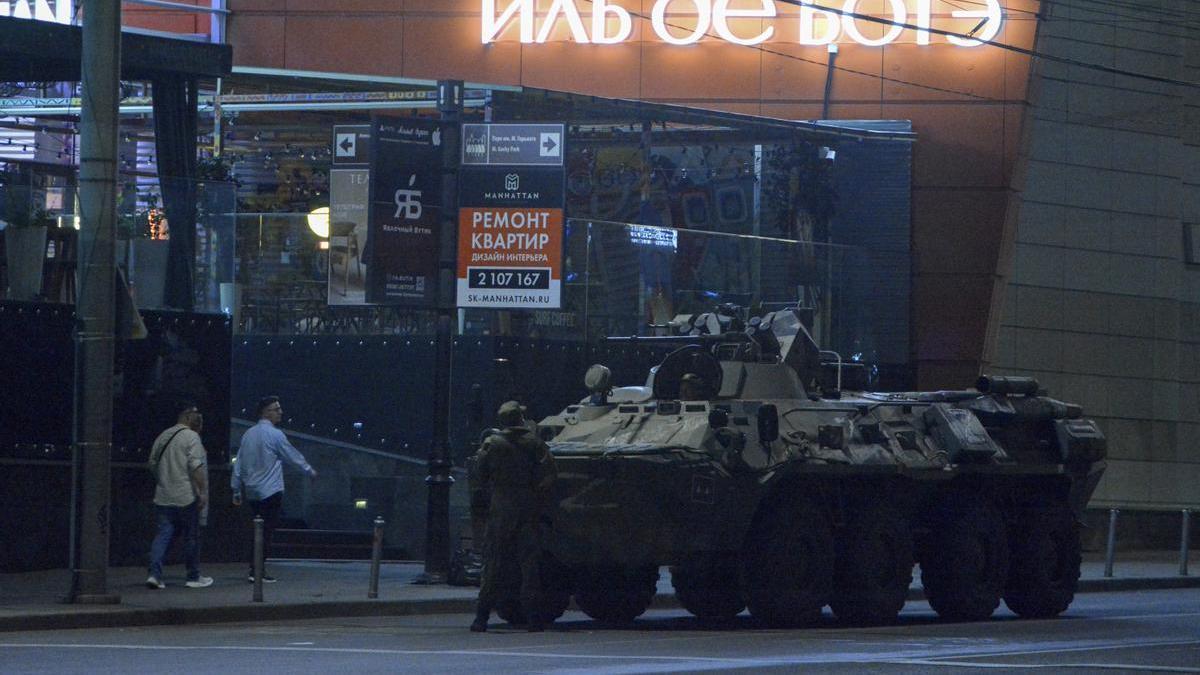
column 404, row 220
column 517, row 187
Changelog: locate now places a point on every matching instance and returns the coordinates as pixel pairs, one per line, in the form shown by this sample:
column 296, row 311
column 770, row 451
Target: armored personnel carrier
column 756, row 473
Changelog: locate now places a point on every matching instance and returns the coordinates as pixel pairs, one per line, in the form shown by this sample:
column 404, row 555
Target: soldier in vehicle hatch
column 692, row 387
column 515, row 477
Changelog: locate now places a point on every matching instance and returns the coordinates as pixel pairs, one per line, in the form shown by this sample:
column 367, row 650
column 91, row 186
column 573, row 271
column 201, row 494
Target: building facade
column 1052, row 198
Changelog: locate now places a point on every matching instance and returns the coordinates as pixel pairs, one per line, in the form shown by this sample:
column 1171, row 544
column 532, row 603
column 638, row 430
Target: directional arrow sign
column 550, row 144
column 513, row 144
column 351, row 144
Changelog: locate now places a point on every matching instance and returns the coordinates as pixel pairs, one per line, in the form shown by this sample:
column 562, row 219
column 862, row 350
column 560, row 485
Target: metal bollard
column 258, row 558
column 1111, row 550
column 1185, row 542
column 376, row 555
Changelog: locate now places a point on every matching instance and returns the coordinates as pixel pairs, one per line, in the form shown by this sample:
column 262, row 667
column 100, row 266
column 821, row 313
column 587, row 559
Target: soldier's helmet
column 510, row 414
column 692, row 387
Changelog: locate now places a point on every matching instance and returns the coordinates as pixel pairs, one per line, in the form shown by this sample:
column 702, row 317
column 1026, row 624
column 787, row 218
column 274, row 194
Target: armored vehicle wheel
column 555, row 597
column 1044, row 572
column 553, row 605
column 966, row 566
column 874, row 567
column 788, row 569
column 706, row 584
column 614, row 595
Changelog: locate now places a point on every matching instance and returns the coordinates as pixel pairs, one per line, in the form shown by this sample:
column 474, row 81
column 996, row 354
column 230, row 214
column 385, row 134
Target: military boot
column 479, row 625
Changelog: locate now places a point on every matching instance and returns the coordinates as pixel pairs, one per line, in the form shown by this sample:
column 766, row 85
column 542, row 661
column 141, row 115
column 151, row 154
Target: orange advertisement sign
column 509, row 257
column 510, row 218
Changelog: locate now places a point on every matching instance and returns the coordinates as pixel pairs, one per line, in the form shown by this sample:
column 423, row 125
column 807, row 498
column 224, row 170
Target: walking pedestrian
column 257, row 476
column 180, row 467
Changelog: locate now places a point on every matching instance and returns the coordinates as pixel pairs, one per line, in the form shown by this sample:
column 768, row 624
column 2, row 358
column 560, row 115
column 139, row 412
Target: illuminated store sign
column 606, row 23
column 61, row 11
column 654, row 237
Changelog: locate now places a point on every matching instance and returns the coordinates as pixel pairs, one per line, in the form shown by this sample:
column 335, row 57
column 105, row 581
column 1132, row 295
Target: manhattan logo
column 685, row 22
column 408, row 202
column 512, row 190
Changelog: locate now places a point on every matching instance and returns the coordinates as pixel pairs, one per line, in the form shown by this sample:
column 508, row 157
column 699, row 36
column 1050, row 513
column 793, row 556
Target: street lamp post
column 95, row 309
column 439, row 480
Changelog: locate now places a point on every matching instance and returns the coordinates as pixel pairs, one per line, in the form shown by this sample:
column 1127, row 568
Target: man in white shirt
column 179, row 465
column 258, row 472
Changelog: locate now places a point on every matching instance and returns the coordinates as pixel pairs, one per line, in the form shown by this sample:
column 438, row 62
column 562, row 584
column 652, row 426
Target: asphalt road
column 1157, row 631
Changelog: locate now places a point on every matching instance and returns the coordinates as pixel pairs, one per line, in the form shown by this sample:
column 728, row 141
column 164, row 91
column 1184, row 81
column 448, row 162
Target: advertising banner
column 404, row 226
column 510, row 217
column 349, row 199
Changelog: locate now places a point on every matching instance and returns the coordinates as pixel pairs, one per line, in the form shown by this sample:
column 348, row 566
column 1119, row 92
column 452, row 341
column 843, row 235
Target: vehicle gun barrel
column 1007, row 384
column 1034, row 408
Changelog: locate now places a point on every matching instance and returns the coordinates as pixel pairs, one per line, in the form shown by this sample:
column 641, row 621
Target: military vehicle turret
column 749, row 466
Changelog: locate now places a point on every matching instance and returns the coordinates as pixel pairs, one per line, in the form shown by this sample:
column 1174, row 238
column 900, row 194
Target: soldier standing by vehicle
column 516, row 473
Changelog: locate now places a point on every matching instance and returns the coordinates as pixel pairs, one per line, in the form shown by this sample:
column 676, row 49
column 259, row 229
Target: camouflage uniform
column 516, row 468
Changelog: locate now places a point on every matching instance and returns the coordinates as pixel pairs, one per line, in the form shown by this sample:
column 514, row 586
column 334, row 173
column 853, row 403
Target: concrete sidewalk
column 305, row 590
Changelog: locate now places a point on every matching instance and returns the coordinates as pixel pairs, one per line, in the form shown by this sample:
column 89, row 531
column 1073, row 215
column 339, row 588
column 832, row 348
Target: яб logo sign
column 408, row 202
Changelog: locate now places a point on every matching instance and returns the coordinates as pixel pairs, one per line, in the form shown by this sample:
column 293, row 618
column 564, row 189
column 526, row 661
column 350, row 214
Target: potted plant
column 24, row 246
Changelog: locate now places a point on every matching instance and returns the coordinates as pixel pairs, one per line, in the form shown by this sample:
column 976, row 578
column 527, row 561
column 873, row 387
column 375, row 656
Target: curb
column 175, row 616
column 1137, row 584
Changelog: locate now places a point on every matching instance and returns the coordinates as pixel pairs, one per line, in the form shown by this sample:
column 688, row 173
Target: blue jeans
column 182, row 521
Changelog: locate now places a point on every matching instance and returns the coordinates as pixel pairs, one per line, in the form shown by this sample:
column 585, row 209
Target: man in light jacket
column 257, row 476
column 180, row 467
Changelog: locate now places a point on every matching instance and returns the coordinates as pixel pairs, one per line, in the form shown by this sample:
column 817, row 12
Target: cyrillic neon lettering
column 658, row 19
column 722, row 13
column 567, row 9
column 851, row 28
column 493, row 25
column 808, row 25
column 991, row 25
column 600, row 15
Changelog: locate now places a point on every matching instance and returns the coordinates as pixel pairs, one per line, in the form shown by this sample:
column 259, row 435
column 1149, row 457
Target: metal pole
column 439, row 480
column 376, row 555
column 258, row 558
column 95, row 310
column 1185, row 538
column 1111, row 550
column 833, row 52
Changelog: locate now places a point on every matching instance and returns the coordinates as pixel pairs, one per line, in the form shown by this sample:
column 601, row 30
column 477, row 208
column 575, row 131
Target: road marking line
column 1098, row 666
column 1143, row 616
column 397, row 652
column 1099, row 646
column 764, row 661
